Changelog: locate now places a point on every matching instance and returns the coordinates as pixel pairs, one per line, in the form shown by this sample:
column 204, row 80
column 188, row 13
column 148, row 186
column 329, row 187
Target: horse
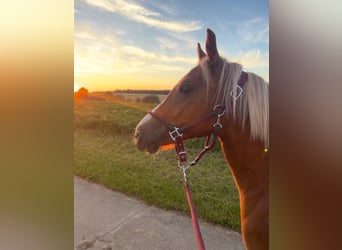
column 243, row 130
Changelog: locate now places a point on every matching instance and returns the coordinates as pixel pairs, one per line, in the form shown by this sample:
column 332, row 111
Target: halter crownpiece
column 243, row 78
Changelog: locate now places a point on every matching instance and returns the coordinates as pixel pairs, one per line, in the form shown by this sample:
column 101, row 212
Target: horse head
column 190, row 99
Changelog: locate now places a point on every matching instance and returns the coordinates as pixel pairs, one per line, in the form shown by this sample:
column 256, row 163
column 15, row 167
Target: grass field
column 104, row 153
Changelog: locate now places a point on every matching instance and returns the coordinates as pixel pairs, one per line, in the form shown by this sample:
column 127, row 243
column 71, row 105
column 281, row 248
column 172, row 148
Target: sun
column 76, row 87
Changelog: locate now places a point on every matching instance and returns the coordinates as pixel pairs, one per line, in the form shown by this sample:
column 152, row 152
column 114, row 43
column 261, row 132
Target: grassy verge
column 104, row 153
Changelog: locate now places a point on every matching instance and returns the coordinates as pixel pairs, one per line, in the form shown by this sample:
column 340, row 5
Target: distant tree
column 82, row 93
column 83, row 90
column 150, row 99
column 143, row 92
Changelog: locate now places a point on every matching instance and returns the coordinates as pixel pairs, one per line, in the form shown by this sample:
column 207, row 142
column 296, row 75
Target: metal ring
column 219, row 106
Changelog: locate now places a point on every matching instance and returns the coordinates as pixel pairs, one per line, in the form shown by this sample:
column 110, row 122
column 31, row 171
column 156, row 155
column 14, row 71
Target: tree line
column 144, row 92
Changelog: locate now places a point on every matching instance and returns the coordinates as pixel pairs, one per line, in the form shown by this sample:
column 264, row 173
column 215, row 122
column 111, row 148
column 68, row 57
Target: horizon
column 124, row 90
column 139, row 45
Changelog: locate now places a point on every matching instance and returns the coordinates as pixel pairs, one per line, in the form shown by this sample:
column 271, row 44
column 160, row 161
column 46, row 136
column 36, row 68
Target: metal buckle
column 218, row 121
column 219, row 106
column 175, row 131
column 233, row 92
column 184, row 169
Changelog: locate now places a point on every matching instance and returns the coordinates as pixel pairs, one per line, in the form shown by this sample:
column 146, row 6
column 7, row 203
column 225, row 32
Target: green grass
column 104, row 153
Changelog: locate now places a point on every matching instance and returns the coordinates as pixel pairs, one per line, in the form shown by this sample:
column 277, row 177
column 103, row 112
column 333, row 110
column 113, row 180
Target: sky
column 151, row 44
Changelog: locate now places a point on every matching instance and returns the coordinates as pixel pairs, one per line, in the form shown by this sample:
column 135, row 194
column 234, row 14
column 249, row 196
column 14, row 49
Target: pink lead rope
column 182, row 160
column 195, row 224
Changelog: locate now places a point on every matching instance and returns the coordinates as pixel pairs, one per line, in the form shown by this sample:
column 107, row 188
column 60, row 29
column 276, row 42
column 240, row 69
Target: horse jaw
column 150, row 135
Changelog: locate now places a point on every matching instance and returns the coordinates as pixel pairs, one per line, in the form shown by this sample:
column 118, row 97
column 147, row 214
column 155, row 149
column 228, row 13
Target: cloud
column 83, row 34
column 96, row 54
column 255, row 30
column 102, row 53
column 165, row 8
column 166, row 44
column 140, row 14
column 252, row 58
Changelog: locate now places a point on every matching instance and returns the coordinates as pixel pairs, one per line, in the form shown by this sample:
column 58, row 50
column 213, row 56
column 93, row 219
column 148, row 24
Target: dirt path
column 107, row 220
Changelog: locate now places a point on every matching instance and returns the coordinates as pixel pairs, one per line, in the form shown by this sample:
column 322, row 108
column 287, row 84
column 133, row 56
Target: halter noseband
column 174, row 131
column 176, row 134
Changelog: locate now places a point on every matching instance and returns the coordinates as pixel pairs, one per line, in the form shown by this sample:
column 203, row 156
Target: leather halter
column 176, row 133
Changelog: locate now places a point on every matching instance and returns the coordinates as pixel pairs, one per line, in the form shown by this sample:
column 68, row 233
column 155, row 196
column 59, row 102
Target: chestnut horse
column 243, row 136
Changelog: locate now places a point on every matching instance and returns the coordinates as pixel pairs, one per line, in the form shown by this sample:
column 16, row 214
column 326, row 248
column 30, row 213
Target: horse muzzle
column 150, row 135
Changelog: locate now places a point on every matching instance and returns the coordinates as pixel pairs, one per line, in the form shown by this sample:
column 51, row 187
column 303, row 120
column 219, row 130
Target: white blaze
column 148, row 117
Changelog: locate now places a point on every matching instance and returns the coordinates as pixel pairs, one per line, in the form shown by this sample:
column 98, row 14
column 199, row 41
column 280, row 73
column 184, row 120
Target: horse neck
column 249, row 165
column 247, row 159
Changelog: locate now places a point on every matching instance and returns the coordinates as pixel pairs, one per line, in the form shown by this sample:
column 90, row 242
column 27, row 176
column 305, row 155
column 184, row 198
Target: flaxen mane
column 251, row 106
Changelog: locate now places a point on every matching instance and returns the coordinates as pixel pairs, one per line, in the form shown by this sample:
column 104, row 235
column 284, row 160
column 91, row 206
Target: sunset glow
column 76, row 87
column 140, row 45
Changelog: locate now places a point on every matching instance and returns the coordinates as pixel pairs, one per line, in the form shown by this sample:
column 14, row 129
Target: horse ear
column 200, row 52
column 211, row 48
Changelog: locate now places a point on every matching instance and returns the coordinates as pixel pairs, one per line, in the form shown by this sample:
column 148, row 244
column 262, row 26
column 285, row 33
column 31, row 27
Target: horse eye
column 186, row 88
